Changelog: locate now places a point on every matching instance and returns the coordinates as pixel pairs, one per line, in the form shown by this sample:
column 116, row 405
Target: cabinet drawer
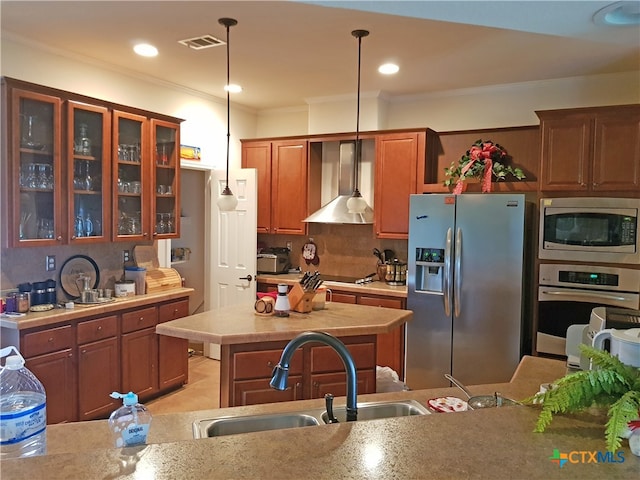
column 260, row 364
column 46, row 341
column 325, row 359
column 173, row 310
column 143, row 318
column 382, row 302
column 97, row 329
column 341, row 297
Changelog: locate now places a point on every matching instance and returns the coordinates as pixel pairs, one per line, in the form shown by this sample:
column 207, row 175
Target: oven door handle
column 584, row 294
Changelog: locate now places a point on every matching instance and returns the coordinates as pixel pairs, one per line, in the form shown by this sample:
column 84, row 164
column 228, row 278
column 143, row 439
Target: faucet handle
column 328, row 401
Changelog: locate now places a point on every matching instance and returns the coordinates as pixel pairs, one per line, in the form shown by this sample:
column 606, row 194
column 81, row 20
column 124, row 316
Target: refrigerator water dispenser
column 429, row 270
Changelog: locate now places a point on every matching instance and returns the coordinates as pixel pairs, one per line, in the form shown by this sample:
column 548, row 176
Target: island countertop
column 489, row 443
column 240, row 324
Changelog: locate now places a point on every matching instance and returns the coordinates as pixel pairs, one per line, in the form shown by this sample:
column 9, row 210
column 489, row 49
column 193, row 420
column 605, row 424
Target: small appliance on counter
column 274, row 260
column 602, row 318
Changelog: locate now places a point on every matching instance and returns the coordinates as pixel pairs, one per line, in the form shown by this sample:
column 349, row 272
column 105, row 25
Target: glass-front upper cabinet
column 131, row 184
column 166, row 167
column 35, row 174
column 88, row 147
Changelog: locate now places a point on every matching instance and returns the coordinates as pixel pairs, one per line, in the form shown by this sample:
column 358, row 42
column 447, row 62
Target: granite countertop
column 239, row 323
column 60, row 315
column 489, row 443
column 372, row 288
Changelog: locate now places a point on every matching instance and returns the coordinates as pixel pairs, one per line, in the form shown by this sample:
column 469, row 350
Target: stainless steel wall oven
column 568, row 293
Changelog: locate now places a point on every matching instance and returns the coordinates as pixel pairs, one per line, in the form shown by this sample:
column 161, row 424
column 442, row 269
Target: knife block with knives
column 302, row 293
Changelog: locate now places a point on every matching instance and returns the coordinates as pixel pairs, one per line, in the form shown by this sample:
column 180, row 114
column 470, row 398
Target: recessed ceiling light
column 618, row 13
column 388, row 68
column 233, row 88
column 145, row 50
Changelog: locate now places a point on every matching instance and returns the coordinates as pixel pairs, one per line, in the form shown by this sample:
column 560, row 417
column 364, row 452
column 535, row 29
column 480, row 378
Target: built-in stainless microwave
column 589, row 229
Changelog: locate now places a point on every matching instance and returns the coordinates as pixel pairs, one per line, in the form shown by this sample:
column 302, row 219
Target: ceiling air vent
column 204, row 41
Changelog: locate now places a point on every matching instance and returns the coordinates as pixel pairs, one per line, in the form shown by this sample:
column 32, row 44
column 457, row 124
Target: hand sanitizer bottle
column 129, row 423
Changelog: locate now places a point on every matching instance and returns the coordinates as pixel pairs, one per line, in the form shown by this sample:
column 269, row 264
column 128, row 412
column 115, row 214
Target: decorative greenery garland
column 481, row 161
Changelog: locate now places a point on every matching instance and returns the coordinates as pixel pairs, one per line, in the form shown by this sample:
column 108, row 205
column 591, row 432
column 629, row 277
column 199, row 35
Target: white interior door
column 233, row 247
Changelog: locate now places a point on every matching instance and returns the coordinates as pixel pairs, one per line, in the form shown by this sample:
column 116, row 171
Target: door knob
column 248, row 278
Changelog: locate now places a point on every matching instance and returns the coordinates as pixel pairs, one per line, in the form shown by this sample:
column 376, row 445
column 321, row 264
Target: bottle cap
column 14, row 362
column 128, row 399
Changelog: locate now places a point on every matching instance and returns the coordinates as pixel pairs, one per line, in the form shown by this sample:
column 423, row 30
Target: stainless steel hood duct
column 336, row 210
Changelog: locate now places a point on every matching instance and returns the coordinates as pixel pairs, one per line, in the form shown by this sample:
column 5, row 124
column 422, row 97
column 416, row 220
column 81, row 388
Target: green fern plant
column 610, row 384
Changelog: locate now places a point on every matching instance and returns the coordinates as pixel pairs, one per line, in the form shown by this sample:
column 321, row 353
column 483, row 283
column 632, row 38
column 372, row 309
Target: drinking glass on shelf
column 41, row 181
column 32, row 176
column 160, row 225
column 136, row 226
column 169, row 224
column 88, row 181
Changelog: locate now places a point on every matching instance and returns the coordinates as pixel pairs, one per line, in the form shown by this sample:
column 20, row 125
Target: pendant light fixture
column 355, row 203
column 227, row 202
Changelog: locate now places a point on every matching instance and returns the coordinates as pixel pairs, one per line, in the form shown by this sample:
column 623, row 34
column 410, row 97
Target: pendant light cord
column 228, row 22
column 228, row 108
column 356, row 173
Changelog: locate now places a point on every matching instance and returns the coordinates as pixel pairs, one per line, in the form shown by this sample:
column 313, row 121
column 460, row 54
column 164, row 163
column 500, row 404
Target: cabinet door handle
column 270, row 364
column 100, row 328
column 84, row 351
column 59, row 238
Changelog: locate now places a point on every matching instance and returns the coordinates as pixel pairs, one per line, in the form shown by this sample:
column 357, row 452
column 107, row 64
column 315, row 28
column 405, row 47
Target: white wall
column 205, row 117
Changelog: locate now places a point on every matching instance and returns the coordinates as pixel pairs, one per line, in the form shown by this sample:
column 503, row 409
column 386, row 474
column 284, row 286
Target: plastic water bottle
column 129, row 423
column 23, row 409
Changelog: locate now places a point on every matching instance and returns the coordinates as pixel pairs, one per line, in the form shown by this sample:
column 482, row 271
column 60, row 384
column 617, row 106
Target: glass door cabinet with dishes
column 35, row 173
column 165, row 179
column 82, row 170
column 88, row 145
column 131, row 189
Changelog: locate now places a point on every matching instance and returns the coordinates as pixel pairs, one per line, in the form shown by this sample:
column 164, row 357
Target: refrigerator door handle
column 446, row 274
column 457, row 263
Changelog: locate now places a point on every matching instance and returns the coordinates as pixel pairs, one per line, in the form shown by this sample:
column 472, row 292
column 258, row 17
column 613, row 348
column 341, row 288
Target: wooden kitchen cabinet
column 390, row 346
column 80, row 362
column 173, row 353
column 49, row 354
column 140, row 352
column 591, row 149
column 314, row 368
column 132, row 188
column 283, row 184
column 165, row 187
column 397, row 158
column 98, row 367
column 82, row 170
column 328, row 372
column 33, row 168
column 88, row 147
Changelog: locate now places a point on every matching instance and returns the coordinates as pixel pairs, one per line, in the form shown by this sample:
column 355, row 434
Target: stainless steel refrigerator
column 465, row 278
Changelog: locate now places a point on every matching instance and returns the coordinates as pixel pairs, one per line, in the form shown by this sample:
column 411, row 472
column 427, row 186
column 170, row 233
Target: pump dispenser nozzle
column 129, row 423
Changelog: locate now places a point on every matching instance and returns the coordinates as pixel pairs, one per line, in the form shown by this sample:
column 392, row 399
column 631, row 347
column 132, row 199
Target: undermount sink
column 376, row 410
column 251, row 423
column 215, row 427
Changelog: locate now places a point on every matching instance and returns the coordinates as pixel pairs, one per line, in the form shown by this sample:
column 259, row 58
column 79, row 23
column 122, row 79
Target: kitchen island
column 489, row 443
column 250, row 346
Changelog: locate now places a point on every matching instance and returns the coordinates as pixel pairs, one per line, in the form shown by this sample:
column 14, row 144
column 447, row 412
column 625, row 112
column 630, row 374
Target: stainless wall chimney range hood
column 336, row 210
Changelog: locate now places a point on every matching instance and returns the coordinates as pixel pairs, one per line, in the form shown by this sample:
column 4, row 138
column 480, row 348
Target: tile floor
column 201, row 393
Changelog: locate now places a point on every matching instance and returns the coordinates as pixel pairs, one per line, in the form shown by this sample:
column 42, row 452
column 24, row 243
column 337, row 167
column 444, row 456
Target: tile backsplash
column 20, row 265
column 344, row 250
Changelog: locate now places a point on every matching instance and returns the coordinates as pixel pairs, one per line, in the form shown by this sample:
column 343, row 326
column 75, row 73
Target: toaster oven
column 274, row 260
